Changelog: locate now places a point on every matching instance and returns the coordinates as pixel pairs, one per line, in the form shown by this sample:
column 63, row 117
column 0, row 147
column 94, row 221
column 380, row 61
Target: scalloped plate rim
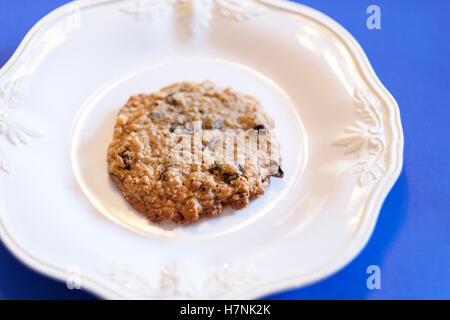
column 373, row 205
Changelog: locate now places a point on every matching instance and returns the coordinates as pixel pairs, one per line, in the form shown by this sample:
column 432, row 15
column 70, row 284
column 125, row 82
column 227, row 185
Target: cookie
column 191, row 149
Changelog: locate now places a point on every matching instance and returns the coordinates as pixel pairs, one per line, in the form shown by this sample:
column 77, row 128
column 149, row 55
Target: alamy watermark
column 374, row 280
column 200, row 143
column 374, row 20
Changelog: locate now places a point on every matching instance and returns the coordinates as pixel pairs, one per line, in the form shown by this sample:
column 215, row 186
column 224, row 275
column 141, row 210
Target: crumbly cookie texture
column 147, row 164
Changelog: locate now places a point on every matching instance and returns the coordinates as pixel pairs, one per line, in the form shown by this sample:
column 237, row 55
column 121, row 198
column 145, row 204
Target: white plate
column 341, row 143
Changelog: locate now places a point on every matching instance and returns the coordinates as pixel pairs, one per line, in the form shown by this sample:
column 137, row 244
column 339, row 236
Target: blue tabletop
column 411, row 241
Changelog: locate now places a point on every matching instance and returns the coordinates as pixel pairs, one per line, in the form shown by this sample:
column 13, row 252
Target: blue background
column 411, row 241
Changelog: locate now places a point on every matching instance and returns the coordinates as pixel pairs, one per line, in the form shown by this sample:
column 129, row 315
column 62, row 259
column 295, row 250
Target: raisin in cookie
column 191, row 149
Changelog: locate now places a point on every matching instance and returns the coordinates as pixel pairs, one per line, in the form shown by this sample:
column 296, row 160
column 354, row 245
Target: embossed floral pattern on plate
column 194, row 14
column 14, row 126
column 366, row 138
column 182, row 280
